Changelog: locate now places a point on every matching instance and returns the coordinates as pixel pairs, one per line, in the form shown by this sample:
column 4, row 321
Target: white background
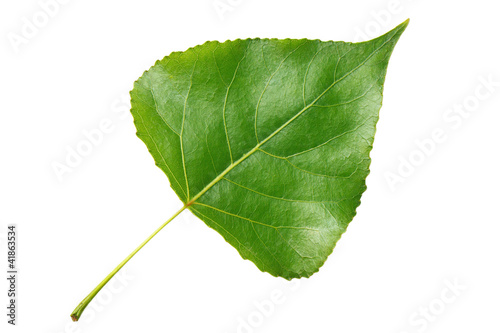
column 437, row 226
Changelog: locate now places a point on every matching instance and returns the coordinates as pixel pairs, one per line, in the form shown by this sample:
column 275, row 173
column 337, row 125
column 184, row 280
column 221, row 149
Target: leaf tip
column 403, row 25
column 398, row 31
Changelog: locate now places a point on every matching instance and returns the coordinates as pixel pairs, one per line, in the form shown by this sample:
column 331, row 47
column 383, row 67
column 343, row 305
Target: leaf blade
column 259, row 119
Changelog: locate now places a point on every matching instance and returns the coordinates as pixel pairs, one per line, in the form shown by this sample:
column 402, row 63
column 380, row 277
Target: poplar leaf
column 266, row 140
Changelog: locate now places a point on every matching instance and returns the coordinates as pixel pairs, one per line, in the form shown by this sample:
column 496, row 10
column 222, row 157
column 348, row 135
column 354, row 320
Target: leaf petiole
column 76, row 314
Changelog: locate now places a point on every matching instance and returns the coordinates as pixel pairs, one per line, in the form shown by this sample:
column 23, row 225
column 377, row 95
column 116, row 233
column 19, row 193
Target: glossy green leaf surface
column 267, row 141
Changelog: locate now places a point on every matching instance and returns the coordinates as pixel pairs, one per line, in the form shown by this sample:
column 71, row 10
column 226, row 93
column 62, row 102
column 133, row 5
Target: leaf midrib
column 261, row 143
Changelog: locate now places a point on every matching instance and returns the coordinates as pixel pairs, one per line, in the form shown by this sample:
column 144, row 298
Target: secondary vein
column 182, row 129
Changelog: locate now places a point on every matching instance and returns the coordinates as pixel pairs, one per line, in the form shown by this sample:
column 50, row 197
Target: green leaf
column 267, row 141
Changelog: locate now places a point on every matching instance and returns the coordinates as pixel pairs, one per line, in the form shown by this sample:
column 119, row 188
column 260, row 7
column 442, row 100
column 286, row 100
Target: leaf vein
column 225, row 104
column 255, row 222
column 267, row 85
column 159, row 152
column 182, row 127
column 274, row 197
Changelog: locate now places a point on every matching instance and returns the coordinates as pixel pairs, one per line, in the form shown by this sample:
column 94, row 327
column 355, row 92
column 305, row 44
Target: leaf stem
column 76, row 314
